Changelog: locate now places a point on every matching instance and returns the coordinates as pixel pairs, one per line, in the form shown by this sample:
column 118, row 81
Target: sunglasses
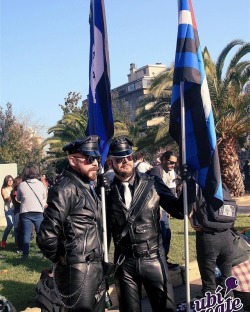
column 171, row 162
column 90, row 159
column 119, row 160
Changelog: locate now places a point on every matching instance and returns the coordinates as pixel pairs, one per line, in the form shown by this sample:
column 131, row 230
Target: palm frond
column 221, row 59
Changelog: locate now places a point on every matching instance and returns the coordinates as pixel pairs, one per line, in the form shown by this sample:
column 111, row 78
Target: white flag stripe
column 185, row 17
column 97, row 68
column 206, row 97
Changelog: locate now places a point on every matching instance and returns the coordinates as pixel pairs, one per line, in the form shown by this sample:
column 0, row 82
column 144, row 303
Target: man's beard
column 92, row 175
column 124, row 174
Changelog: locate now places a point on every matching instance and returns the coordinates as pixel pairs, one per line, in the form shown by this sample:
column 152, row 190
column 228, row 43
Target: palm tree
column 231, row 107
column 230, row 95
column 71, row 127
column 152, row 115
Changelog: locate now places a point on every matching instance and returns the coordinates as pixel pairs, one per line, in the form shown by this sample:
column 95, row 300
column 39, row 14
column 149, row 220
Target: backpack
column 46, row 296
column 221, row 218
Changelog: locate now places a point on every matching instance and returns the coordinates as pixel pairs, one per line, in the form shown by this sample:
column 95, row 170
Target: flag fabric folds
column 100, row 118
column 201, row 144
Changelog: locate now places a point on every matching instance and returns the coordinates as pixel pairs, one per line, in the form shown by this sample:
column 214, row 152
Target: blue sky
column 45, row 45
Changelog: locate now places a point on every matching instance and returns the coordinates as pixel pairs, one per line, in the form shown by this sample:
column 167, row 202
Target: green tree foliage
column 18, row 142
column 72, row 126
column 71, row 104
column 230, row 98
column 122, row 113
column 152, row 115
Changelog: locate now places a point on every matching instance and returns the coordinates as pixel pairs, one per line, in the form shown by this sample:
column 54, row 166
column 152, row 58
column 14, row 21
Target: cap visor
column 122, row 153
column 91, row 153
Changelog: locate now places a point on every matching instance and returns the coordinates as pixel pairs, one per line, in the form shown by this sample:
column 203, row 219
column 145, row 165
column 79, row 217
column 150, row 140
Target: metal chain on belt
column 60, row 295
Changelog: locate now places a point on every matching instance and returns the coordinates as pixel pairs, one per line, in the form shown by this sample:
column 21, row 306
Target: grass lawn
column 18, row 279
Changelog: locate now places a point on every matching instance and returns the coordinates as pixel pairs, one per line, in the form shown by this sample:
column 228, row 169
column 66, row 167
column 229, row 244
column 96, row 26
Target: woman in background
column 17, row 206
column 32, row 195
column 8, row 207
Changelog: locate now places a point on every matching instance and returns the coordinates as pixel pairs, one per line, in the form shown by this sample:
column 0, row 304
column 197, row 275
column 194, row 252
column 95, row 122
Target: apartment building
column 139, row 82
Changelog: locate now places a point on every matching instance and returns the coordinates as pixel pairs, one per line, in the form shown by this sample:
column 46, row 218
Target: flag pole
column 100, row 118
column 185, row 202
column 104, row 223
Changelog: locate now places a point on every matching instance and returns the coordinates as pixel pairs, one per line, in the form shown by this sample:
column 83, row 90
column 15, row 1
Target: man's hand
column 103, row 181
column 186, row 174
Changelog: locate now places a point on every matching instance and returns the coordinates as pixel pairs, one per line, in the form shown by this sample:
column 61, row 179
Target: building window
column 122, row 92
column 131, row 87
column 138, row 85
column 146, row 83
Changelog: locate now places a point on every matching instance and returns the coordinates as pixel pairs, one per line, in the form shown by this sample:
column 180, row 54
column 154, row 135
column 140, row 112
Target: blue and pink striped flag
column 100, row 117
column 201, row 144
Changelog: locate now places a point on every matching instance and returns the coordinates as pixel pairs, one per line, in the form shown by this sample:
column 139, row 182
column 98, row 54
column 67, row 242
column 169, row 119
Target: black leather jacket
column 72, row 228
column 146, row 227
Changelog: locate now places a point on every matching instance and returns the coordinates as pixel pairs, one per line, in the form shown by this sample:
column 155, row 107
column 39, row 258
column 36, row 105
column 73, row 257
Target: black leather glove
column 103, row 181
column 186, row 174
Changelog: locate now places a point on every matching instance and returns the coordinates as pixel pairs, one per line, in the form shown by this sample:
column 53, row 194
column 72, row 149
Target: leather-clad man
column 135, row 229
column 71, row 232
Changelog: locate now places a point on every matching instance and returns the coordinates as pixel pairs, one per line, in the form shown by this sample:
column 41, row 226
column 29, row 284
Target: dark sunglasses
column 119, row 160
column 90, row 159
column 171, row 162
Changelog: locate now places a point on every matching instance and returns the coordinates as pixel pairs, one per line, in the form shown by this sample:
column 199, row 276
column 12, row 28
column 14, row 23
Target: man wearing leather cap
column 134, row 225
column 71, row 233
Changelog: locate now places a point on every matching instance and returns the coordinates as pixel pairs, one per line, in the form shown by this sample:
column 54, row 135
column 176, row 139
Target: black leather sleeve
column 170, row 203
column 50, row 237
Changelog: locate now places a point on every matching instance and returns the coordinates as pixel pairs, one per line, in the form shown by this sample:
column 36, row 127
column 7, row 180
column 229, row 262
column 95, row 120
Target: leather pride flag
column 100, row 117
column 201, row 144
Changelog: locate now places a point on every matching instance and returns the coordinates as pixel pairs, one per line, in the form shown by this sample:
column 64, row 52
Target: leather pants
column 88, row 279
column 214, row 248
column 151, row 272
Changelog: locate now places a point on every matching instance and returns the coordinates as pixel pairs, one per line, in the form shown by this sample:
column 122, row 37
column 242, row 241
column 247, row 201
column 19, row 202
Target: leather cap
column 120, row 147
column 88, row 146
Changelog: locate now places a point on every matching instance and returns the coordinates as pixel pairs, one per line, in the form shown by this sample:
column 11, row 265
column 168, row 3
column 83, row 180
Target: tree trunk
column 230, row 168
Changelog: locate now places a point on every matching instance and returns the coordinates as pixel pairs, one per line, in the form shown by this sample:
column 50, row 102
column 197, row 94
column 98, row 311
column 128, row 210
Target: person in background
column 157, row 161
column 71, row 234
column 133, row 203
column 166, row 171
column 214, row 241
column 141, row 164
column 45, row 181
column 109, row 172
column 32, row 195
column 246, row 171
column 17, row 207
column 8, row 207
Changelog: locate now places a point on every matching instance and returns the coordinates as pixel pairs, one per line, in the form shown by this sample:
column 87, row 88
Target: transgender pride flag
column 201, row 144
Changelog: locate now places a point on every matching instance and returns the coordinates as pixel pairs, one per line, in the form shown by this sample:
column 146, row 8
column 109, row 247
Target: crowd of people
column 24, row 199
column 140, row 200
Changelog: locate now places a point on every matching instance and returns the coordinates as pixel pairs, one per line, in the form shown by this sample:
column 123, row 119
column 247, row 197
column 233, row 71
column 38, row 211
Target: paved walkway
column 243, row 203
